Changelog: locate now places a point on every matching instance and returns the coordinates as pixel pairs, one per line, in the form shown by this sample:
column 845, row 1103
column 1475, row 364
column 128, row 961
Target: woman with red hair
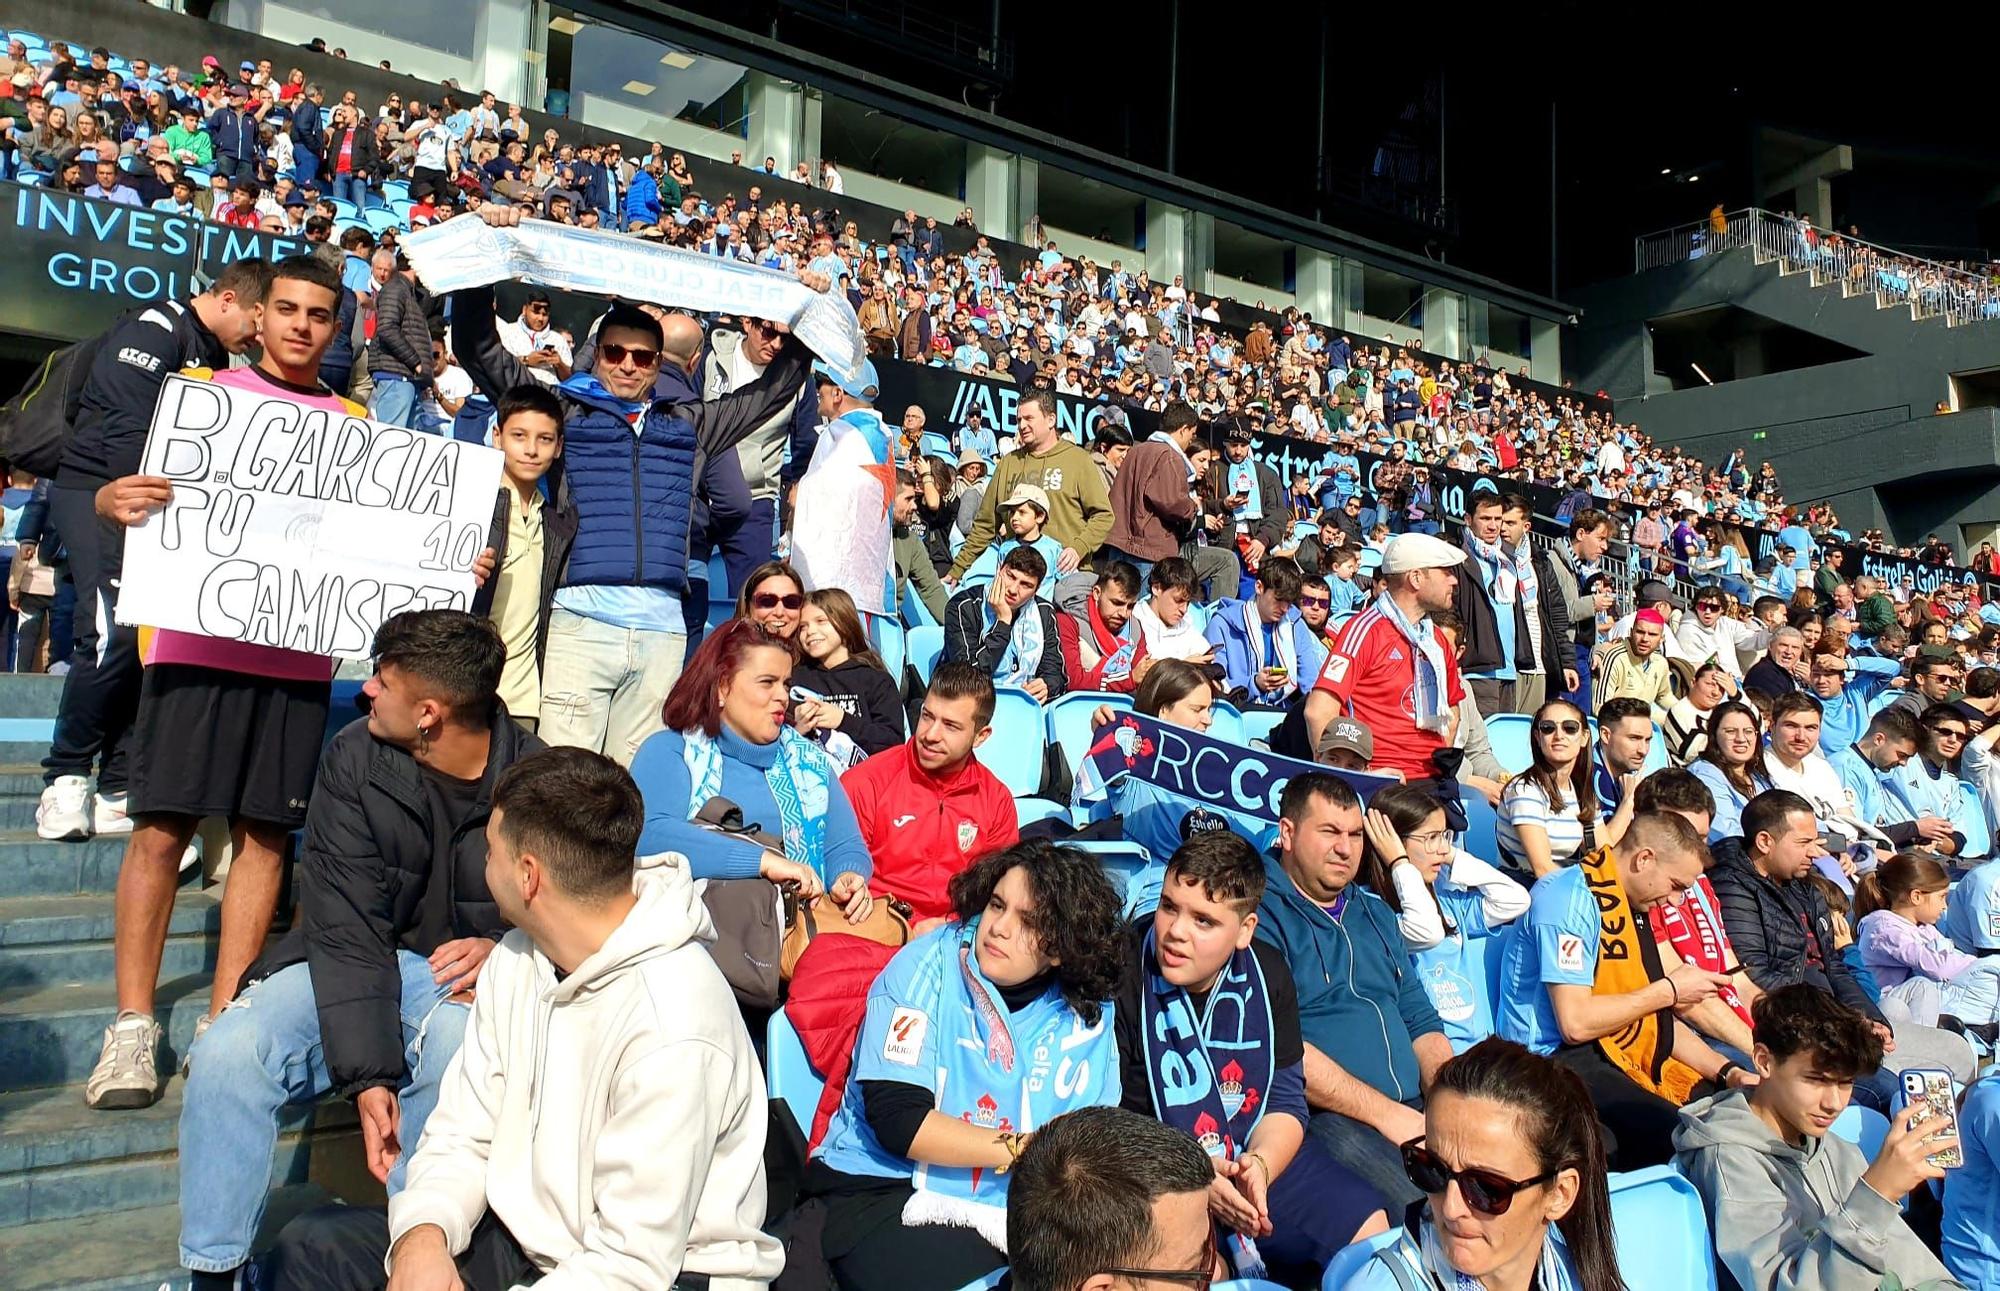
column 726, row 737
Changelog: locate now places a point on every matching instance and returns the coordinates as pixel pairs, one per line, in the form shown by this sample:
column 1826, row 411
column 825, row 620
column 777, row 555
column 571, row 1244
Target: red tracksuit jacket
column 921, row 830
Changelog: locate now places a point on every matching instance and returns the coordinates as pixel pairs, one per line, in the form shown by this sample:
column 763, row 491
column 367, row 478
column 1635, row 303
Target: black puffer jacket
column 362, row 872
column 1782, row 932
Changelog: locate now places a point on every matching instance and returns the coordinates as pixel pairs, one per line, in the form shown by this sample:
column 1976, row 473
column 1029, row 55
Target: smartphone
column 1933, row 1088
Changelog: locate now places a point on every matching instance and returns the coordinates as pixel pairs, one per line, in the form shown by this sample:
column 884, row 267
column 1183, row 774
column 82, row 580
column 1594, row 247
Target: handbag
column 761, row 927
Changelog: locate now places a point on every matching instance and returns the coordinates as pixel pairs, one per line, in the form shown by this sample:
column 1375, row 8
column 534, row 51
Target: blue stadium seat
column 1246, row 1284
column 1347, row 1261
column 1482, row 832
column 344, row 209
column 1511, row 735
column 1864, row 1127
column 915, row 613
column 1368, row 562
column 1029, row 810
column 890, row 643
column 990, row 1280
column 1258, row 725
column 932, row 444
column 1661, row 1232
column 1068, row 721
column 1124, row 864
column 200, row 174
column 788, row 1074
column 922, row 648
column 378, row 219
column 1979, row 835
column 402, row 207
column 1014, row 753
column 30, row 178
column 1226, row 722
column 393, row 189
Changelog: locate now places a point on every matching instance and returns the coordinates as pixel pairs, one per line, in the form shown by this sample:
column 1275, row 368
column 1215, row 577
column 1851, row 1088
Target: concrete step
column 17, row 810
column 138, row 1252
column 27, row 968
column 30, row 922
column 61, row 1160
column 21, row 780
column 32, row 866
column 30, row 695
column 51, row 1035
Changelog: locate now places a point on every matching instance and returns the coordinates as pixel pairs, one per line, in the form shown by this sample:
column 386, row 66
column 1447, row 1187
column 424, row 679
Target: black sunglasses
column 1200, row 1279
column 1488, row 1193
column 771, row 600
column 1547, row 726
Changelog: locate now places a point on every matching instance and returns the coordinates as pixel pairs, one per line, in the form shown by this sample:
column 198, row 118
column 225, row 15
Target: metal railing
column 1854, row 267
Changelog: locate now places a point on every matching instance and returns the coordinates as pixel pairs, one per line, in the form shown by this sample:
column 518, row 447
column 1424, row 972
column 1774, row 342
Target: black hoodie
column 866, row 693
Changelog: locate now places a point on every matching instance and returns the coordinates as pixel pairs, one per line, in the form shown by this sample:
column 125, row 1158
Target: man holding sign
column 225, row 728
column 617, row 630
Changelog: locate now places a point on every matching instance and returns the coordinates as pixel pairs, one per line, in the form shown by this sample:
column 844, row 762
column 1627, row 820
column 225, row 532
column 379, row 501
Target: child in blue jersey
column 1447, row 902
column 1027, row 509
column 1346, row 593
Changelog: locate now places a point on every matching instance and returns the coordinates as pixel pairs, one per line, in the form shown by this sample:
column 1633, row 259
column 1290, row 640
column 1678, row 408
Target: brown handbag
column 887, row 923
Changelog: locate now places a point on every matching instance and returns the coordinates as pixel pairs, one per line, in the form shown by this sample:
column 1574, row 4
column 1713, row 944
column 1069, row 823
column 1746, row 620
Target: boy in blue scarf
column 1208, row 1042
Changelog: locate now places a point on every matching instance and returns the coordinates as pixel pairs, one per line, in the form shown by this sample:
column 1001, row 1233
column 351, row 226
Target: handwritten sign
column 300, row 527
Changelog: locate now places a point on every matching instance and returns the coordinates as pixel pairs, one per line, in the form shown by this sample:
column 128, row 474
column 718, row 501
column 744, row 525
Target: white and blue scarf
column 1243, row 479
column 1432, row 710
column 1220, row 1106
column 1496, row 566
column 1417, row 1261
column 1281, row 635
column 1024, row 644
column 1010, row 1073
column 1524, row 570
column 799, row 780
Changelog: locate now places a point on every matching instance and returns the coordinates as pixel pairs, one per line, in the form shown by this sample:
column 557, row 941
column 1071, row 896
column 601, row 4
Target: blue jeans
column 262, row 1053
column 352, row 188
column 394, row 402
column 1365, row 1153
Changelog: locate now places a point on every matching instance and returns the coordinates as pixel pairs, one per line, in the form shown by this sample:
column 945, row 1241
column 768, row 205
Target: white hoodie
column 613, row 1120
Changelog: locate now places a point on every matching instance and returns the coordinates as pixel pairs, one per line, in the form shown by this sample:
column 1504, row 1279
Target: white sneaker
column 127, row 1074
column 107, row 815
column 65, row 809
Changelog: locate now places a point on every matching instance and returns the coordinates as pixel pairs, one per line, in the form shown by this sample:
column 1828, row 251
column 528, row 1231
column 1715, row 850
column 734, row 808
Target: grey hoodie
column 1794, row 1219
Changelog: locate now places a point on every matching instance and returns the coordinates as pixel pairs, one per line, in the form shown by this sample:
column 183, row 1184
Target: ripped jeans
column 262, row 1055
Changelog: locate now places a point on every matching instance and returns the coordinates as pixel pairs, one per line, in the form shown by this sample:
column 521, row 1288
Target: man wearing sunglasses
column 1104, row 1199
column 1584, row 984
column 615, row 626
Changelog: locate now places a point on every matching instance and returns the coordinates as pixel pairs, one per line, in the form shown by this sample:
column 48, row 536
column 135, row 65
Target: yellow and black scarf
column 1628, row 961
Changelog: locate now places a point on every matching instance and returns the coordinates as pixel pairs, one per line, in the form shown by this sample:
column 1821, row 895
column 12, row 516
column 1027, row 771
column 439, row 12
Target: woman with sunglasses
column 1549, row 813
column 726, row 738
column 841, row 688
column 1732, row 765
column 1445, row 900
column 772, row 598
column 1513, row 1168
column 976, row 1035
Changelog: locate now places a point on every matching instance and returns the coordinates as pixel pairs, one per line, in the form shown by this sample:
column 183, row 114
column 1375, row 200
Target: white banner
column 468, row 252
column 841, row 527
column 301, row 527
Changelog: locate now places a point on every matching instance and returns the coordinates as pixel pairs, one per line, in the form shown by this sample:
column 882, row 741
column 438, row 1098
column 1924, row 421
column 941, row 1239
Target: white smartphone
column 1933, row 1089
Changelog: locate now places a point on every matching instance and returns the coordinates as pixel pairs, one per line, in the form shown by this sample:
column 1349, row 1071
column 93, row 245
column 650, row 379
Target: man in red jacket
column 926, row 808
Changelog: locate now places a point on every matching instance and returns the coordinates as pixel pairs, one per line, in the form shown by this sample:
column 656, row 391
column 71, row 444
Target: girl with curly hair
column 976, row 1036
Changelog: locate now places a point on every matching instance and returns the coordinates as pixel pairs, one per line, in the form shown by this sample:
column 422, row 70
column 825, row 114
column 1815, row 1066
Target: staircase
column 89, row 1201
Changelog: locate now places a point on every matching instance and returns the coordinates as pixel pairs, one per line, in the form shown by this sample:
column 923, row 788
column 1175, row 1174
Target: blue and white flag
column 468, row 252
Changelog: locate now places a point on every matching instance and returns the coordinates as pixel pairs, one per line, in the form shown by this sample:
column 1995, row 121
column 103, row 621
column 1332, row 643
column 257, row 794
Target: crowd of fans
column 1757, row 797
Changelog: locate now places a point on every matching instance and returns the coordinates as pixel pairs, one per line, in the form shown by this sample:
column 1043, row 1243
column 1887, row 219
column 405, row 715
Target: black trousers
column 341, row 1248
column 101, row 694
column 871, row 1249
column 1638, row 1124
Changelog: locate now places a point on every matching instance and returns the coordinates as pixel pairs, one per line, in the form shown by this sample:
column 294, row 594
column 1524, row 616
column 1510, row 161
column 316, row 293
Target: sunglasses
column 771, row 601
column 641, row 358
column 1200, row 1279
column 1317, row 602
column 1488, row 1193
column 1549, row 727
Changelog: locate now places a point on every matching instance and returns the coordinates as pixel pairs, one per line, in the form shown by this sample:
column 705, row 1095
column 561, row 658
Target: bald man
column 722, row 497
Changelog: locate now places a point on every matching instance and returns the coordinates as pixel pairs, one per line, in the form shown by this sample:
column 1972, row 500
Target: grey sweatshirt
column 1794, row 1219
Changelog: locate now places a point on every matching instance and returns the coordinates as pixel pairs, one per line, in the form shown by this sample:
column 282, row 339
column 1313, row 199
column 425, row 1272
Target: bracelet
column 1675, row 989
column 1014, row 1143
column 1258, row 1157
column 1722, row 1072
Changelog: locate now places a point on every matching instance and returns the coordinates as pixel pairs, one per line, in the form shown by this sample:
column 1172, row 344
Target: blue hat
column 867, row 386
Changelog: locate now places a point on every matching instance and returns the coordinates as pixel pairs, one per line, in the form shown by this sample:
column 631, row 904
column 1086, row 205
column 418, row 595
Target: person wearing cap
column 614, row 622
column 1345, row 745
column 1026, row 511
column 540, row 346
column 1641, row 671
column 1080, row 515
column 1265, row 648
column 1251, row 493
column 1152, row 496
column 234, row 132
column 181, row 199
column 108, row 181
column 1390, row 666
column 1658, row 595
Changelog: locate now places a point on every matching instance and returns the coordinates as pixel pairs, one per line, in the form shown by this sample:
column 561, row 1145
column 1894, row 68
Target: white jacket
column 614, row 1121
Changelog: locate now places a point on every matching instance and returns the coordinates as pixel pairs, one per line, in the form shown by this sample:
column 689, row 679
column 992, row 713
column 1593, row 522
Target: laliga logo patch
column 905, row 1041
column 1569, row 953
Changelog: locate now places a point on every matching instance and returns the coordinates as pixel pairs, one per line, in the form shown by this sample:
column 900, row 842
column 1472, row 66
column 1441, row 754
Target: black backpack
column 35, row 424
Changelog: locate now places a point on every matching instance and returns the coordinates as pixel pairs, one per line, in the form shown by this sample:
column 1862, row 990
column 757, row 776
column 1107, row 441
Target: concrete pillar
column 1545, row 338
column 1167, row 246
column 1317, row 285
column 501, row 29
column 1444, row 322
column 782, row 122
column 1027, row 197
column 1351, row 295
column 991, row 183
column 1200, row 269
